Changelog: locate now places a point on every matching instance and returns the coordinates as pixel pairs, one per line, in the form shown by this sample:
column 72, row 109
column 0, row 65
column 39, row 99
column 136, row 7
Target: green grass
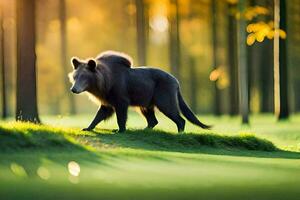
column 230, row 162
column 24, row 136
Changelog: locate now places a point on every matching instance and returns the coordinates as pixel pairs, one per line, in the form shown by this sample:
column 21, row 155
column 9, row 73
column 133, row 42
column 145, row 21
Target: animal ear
column 92, row 65
column 75, row 62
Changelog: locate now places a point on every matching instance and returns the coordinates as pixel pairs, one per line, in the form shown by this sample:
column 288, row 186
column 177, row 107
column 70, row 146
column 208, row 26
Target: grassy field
column 261, row 161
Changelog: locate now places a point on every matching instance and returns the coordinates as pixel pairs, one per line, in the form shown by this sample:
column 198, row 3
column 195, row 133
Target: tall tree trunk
column 294, row 49
column 297, row 95
column 283, row 67
column 141, row 32
column 217, row 103
column 64, row 54
column 193, row 83
column 174, row 39
column 26, row 109
column 232, row 61
column 252, row 61
column 265, row 64
column 242, row 64
column 266, row 67
column 8, row 10
column 147, row 26
column 3, row 78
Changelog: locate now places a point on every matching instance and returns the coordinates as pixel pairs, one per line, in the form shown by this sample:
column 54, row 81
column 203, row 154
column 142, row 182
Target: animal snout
column 74, row 90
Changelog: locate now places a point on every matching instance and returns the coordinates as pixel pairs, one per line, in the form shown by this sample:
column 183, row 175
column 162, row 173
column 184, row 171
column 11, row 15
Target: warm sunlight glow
column 131, row 9
column 159, row 23
column 74, row 24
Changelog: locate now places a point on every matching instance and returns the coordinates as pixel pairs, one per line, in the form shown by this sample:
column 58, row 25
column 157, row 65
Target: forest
column 238, row 66
column 195, row 41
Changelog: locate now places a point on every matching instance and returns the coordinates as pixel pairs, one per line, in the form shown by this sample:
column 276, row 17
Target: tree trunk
column 3, row 74
column 217, row 103
column 174, row 40
column 297, row 95
column 264, row 64
column 253, row 58
column 193, row 84
column 242, row 64
column 64, row 54
column 266, row 67
column 232, row 61
column 26, row 109
column 283, row 67
column 293, row 50
column 141, row 32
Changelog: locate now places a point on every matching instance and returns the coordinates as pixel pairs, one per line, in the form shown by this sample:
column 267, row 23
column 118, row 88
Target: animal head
column 83, row 75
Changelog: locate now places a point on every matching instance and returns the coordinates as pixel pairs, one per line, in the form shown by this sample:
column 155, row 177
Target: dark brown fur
column 112, row 81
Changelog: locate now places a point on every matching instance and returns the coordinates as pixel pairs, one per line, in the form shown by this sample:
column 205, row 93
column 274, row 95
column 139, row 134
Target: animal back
column 113, row 58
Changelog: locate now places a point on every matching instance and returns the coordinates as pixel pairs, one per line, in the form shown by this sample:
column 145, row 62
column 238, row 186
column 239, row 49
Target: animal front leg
column 121, row 112
column 103, row 113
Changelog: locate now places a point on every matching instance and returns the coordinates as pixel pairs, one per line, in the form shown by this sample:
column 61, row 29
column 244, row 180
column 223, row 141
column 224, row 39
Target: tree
column 266, row 67
column 283, row 67
column 174, row 39
column 217, row 103
column 232, row 60
column 260, row 59
column 141, row 32
column 193, row 83
column 64, row 53
column 294, row 49
column 26, row 109
column 242, row 64
column 3, row 78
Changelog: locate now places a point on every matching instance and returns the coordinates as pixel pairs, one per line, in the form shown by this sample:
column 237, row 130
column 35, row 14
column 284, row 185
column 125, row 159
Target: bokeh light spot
column 18, row 170
column 43, row 173
column 74, row 168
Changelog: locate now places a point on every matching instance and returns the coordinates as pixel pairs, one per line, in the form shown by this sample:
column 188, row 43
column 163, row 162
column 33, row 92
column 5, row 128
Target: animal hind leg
column 175, row 117
column 150, row 116
column 168, row 105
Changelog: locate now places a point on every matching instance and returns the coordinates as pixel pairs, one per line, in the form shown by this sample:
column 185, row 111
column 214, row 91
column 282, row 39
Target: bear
column 116, row 84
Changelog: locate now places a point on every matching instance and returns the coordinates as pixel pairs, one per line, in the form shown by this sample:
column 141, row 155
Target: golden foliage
column 261, row 30
column 232, row 1
column 220, row 76
column 254, row 11
column 250, row 13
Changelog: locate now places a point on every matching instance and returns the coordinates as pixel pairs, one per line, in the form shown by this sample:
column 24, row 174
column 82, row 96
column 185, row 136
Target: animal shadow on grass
column 207, row 143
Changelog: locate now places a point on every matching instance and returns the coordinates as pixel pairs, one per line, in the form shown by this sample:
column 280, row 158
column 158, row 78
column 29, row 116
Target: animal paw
column 118, row 131
column 87, row 129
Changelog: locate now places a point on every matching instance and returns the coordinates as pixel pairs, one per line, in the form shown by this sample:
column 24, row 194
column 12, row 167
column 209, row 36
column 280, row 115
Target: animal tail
column 186, row 111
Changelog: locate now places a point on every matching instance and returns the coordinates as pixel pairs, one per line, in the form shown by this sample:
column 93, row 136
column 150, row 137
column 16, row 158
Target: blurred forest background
column 195, row 40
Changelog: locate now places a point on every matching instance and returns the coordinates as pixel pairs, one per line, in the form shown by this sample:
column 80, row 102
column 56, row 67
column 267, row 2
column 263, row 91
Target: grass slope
column 20, row 136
